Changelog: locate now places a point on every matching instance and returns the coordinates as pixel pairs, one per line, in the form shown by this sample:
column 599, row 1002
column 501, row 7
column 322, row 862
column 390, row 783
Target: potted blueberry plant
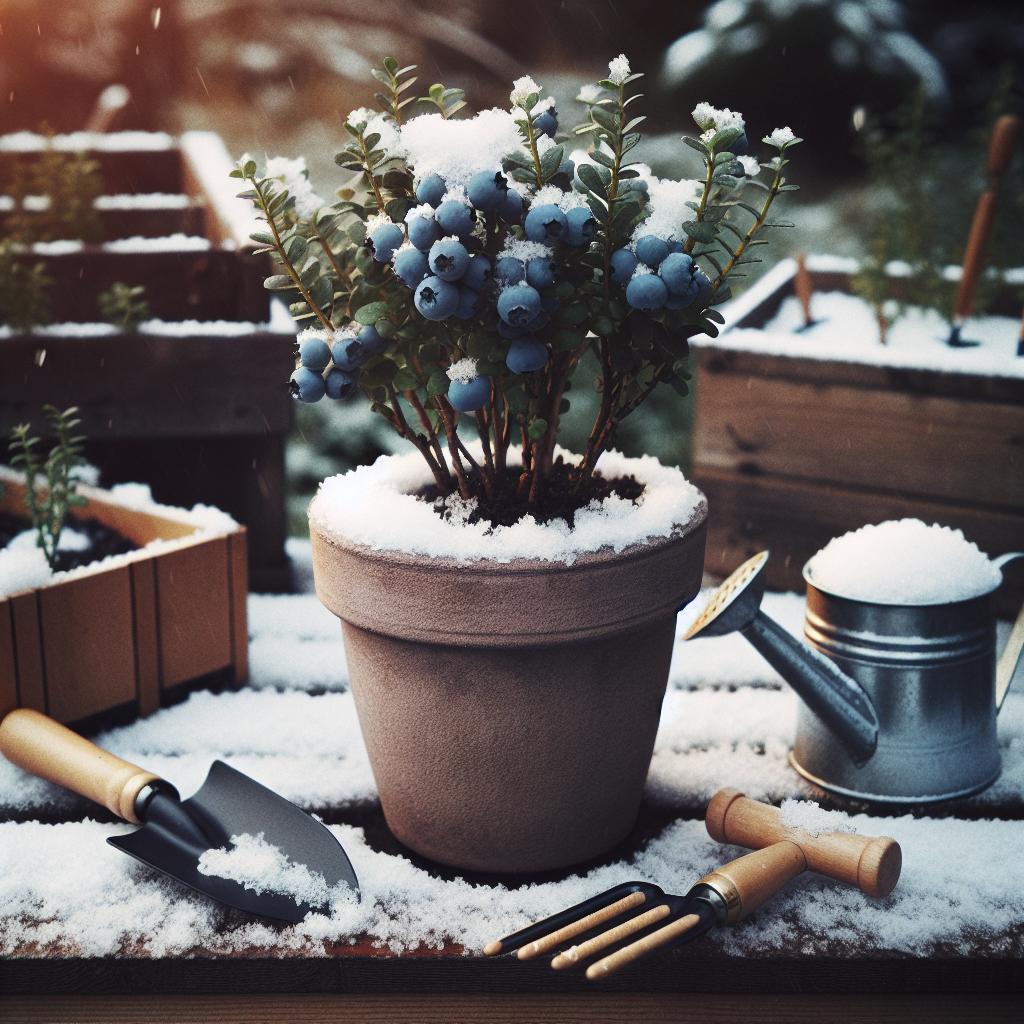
column 508, row 607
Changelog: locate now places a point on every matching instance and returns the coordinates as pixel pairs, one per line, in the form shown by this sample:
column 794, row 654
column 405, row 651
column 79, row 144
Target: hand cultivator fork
column 633, row 919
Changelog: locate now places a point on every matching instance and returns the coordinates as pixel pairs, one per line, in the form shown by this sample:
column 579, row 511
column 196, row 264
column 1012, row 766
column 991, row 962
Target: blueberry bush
column 456, row 281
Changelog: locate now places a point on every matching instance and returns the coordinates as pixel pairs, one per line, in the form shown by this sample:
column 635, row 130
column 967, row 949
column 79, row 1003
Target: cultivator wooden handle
column 872, row 863
column 1000, row 151
column 45, row 748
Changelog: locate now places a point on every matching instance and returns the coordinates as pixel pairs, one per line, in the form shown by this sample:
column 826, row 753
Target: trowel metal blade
column 228, row 804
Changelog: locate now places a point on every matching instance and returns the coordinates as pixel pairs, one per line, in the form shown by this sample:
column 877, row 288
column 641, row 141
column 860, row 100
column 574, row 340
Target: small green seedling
column 124, row 306
column 50, row 486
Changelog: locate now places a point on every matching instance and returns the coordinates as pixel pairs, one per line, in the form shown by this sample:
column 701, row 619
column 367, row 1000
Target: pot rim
column 517, row 566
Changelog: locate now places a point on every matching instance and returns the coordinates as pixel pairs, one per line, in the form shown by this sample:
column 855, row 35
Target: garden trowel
column 175, row 833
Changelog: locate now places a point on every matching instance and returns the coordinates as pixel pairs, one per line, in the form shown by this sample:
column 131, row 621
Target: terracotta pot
column 510, row 709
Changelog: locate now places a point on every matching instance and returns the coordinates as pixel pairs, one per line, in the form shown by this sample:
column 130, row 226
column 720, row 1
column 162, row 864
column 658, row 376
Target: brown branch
column 453, row 446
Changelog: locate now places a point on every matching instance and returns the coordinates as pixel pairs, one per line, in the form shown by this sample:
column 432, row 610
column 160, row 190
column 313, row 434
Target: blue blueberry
column 478, row 273
column 682, row 301
column 383, row 242
column 539, row 272
column 469, row 303
column 486, row 190
column 545, row 223
column 740, row 146
column 448, row 259
column 705, row 293
column 526, row 355
column 307, row 385
column 580, row 226
column 675, row 246
column 511, row 208
column 651, row 250
column 372, row 341
column 431, row 189
column 568, row 168
column 411, row 266
column 646, row 292
column 423, row 232
column 509, row 270
column 677, row 270
column 546, row 122
column 633, row 185
column 314, row 353
column 436, row 299
column 518, row 305
column 340, row 384
column 348, row 353
column 623, row 264
column 470, row 395
column 455, row 218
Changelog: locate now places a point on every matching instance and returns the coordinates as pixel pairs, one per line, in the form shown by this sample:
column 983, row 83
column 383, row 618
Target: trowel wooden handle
column 47, row 749
column 872, row 863
column 747, row 882
column 1000, row 152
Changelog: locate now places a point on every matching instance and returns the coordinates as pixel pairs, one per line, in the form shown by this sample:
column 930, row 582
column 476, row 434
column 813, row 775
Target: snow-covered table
column 78, row 917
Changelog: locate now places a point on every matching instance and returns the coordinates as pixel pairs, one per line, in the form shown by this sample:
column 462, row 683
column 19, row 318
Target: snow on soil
column 905, row 562
column 846, row 332
column 24, row 567
column 375, row 506
column 162, row 328
column 74, row 142
column 710, row 735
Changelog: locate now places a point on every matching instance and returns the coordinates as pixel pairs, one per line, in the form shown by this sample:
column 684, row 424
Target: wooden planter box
column 199, row 409
column 793, row 451
column 123, row 638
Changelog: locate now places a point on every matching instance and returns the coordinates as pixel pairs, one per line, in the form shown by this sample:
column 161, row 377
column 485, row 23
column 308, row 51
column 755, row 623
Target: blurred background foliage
column 277, row 76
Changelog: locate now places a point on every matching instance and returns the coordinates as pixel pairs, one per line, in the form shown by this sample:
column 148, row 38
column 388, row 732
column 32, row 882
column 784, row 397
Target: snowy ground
column 727, row 720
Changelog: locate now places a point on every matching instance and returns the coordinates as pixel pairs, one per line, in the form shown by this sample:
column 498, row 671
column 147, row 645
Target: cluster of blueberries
column 445, row 265
column 348, row 353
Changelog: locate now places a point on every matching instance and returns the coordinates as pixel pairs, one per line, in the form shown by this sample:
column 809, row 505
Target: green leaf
column 406, row 380
column 370, row 313
column 437, row 383
column 550, row 162
column 587, row 173
column 278, row 283
column 700, row 230
column 537, row 429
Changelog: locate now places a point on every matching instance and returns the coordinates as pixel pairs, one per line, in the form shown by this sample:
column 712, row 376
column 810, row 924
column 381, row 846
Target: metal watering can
column 911, row 692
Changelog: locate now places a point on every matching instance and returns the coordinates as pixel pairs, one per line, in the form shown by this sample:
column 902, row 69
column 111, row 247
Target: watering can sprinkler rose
column 509, row 608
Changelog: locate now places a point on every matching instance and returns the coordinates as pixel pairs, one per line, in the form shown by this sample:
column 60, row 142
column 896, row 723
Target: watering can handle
column 1010, row 657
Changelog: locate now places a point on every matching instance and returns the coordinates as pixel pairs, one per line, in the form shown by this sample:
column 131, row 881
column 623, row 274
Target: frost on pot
column 472, row 260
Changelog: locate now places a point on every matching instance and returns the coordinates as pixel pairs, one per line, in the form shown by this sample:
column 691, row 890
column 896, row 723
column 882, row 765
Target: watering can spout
column 839, row 701
column 1014, row 648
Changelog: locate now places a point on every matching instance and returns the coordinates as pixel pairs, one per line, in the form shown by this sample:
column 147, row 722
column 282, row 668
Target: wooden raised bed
column 792, row 451
column 122, row 638
column 199, row 412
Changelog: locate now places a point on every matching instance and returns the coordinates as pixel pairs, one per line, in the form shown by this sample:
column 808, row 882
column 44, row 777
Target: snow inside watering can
column 901, row 686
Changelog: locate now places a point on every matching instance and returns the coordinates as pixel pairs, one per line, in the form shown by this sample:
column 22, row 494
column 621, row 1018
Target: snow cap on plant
column 295, row 176
column 750, row 165
column 463, row 370
column 780, row 138
column 522, row 89
column 710, row 119
column 618, row 69
column 589, row 93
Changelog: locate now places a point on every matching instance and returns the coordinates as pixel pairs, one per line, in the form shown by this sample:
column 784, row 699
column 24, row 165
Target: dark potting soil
column 558, row 498
column 103, row 541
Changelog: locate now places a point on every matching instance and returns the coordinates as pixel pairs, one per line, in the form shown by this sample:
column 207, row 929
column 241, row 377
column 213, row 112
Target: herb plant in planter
column 508, row 607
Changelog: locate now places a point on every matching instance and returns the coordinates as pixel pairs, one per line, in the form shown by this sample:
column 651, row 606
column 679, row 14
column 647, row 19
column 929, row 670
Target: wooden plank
column 88, row 644
column 951, row 448
column 8, row 667
column 500, row 1008
column 193, row 602
column 795, row 518
column 141, row 170
column 238, row 574
column 197, row 285
column 146, row 636
column 145, row 222
column 713, row 361
column 145, row 386
column 28, row 651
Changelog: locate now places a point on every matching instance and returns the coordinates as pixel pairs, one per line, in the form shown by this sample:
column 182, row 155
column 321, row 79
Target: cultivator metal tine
column 556, row 930
column 691, row 920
